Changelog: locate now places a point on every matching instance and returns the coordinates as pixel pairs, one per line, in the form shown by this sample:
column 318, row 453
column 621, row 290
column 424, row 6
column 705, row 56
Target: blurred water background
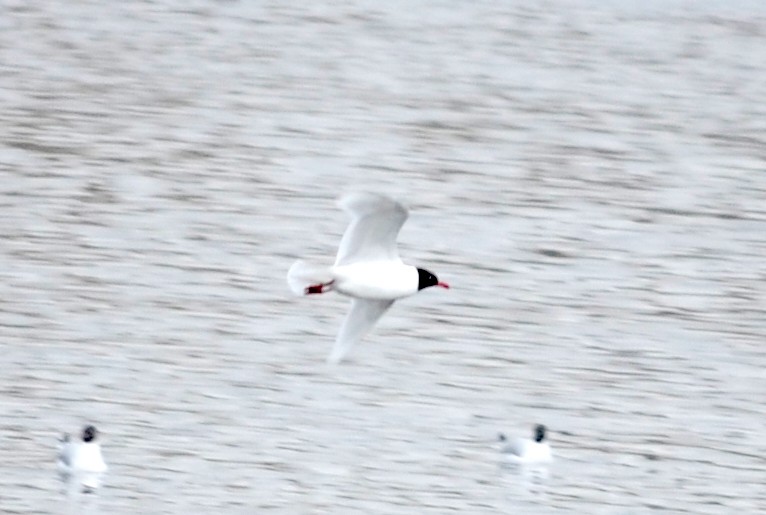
column 589, row 177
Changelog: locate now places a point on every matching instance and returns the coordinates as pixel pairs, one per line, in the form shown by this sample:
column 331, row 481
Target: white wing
column 64, row 462
column 375, row 224
column 363, row 315
column 516, row 448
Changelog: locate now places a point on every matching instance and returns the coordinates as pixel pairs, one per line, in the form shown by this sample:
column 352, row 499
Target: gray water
column 589, row 177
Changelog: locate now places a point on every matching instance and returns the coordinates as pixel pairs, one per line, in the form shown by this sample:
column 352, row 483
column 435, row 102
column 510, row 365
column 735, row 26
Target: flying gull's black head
column 89, row 434
column 539, row 433
column 426, row 279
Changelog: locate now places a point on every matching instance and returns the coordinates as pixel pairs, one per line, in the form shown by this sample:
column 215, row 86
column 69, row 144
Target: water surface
column 589, row 177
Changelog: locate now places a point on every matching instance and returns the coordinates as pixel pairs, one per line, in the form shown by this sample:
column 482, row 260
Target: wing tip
column 367, row 201
column 339, row 351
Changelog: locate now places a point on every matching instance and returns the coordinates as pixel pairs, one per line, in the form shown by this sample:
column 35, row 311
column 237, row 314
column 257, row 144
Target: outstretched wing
column 363, row 315
column 375, row 224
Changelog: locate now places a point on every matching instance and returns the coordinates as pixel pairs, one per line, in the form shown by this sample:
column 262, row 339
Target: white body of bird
column 378, row 280
column 524, row 450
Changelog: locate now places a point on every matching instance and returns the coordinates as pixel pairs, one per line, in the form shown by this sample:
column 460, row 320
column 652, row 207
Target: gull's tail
column 304, row 278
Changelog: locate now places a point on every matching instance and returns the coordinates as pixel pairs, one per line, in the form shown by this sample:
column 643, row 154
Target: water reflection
column 78, row 501
column 525, row 483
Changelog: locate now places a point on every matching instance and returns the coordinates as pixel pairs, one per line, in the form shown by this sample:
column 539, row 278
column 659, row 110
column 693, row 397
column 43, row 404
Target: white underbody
column 378, row 280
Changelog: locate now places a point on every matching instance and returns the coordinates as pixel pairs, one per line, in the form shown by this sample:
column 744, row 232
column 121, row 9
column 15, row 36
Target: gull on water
column 525, row 450
column 81, row 462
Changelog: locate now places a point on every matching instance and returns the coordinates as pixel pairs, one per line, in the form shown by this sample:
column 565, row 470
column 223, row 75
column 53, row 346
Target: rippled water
column 590, row 178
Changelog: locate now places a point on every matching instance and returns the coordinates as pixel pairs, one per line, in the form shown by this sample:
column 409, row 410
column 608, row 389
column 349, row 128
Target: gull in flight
column 367, row 268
